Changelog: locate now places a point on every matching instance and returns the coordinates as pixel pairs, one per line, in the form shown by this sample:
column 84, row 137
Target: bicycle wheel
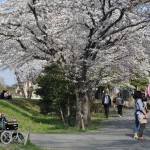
column 6, row 137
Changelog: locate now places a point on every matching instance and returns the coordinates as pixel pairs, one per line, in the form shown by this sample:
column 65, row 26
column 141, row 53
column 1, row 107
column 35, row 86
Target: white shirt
column 106, row 100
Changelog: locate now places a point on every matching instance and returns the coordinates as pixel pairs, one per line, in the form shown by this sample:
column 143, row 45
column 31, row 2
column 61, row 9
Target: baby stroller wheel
column 6, row 137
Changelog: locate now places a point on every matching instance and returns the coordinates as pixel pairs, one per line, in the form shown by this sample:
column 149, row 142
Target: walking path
column 115, row 135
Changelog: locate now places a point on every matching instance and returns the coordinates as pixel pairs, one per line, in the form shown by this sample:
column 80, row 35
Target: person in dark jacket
column 2, row 94
column 106, row 102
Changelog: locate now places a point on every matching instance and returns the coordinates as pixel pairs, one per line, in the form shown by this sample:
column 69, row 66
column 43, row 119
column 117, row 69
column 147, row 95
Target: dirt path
column 115, row 135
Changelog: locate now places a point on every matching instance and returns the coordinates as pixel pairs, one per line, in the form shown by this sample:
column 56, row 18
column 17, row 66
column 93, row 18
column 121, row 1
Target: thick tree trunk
column 83, row 116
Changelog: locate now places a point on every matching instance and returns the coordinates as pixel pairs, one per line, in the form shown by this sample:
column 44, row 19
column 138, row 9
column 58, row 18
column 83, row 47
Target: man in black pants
column 106, row 102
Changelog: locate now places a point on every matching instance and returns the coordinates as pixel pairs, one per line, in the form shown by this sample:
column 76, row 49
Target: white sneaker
column 135, row 137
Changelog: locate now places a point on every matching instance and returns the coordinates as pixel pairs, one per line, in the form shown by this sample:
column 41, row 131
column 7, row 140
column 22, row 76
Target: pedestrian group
column 140, row 110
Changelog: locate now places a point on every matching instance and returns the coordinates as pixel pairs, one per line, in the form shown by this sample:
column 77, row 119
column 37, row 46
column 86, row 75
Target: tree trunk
column 83, row 116
column 62, row 115
column 68, row 112
column 30, row 91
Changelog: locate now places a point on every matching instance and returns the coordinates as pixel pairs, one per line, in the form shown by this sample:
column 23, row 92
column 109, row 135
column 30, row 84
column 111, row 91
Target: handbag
column 142, row 118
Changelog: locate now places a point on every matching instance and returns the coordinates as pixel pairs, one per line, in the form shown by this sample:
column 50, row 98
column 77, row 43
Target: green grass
column 27, row 114
column 28, row 146
column 29, row 118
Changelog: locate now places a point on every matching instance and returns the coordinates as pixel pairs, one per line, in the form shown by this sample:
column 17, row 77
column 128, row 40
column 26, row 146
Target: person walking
column 106, row 102
column 136, row 121
column 119, row 103
column 140, row 116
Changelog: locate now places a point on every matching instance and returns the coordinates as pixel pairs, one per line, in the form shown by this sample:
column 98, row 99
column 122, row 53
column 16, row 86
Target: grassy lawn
column 28, row 117
column 27, row 114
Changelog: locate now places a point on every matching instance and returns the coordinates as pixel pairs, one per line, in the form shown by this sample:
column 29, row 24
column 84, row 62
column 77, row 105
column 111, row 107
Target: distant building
column 28, row 89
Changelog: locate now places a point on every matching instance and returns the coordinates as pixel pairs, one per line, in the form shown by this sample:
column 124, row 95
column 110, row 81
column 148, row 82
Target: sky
column 8, row 76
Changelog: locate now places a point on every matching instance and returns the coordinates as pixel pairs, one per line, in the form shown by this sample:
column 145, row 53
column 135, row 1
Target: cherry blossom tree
column 90, row 39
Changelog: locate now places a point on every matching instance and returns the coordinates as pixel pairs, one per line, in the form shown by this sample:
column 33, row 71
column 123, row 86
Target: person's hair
column 137, row 94
column 144, row 98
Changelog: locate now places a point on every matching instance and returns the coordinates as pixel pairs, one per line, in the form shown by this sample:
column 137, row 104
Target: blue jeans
column 136, row 123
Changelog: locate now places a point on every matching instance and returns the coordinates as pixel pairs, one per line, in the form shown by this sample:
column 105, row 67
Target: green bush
column 56, row 93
